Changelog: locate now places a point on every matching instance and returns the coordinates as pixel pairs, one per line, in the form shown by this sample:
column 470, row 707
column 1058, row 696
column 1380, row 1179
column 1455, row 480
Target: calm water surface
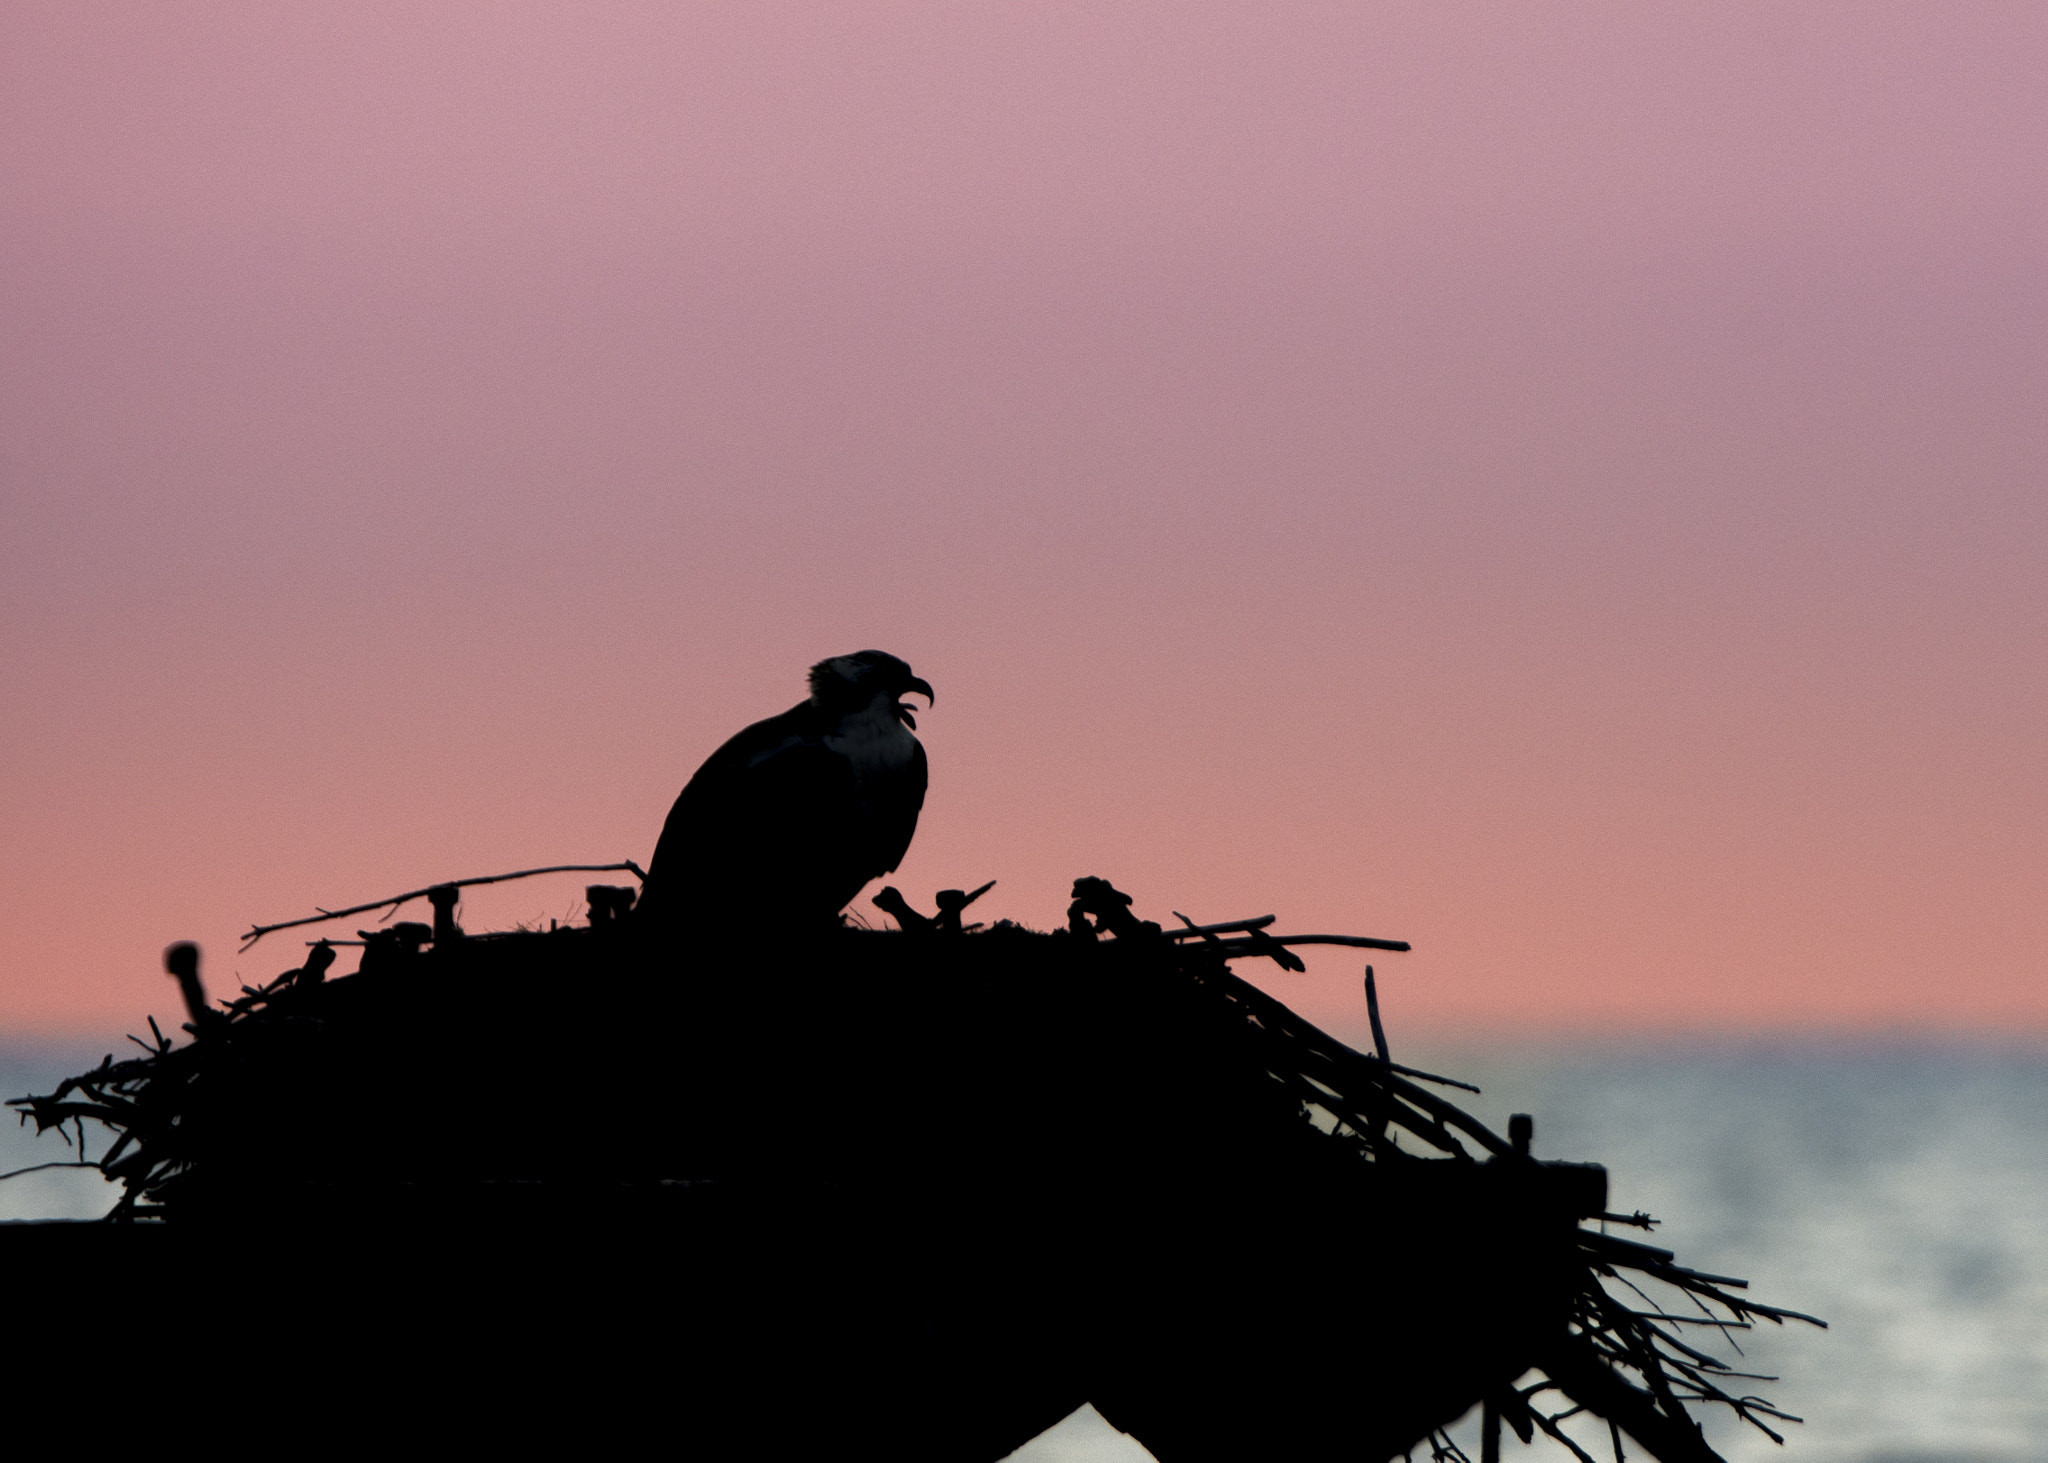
column 1903, row 1195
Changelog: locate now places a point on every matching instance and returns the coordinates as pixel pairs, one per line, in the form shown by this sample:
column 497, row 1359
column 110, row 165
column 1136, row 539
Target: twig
column 1223, row 929
column 1372, row 1011
column 625, row 866
column 1431, row 1077
column 53, row 1163
column 1355, row 942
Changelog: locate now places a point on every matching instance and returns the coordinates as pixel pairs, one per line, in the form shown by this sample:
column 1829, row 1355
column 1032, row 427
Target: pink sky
column 1563, row 485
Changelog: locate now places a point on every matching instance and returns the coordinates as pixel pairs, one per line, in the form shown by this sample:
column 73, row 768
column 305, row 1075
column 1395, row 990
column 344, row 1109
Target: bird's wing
column 725, row 796
column 895, row 811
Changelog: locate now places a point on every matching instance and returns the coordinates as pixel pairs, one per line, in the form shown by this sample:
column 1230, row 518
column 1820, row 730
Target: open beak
column 924, row 689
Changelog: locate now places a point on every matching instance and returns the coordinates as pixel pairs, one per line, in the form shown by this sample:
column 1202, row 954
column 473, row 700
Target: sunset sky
column 1564, row 485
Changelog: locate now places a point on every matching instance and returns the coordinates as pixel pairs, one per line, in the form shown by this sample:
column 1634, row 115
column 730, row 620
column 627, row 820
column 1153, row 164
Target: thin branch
column 624, row 866
column 1355, row 942
column 1208, row 931
column 39, row 1167
column 1431, row 1077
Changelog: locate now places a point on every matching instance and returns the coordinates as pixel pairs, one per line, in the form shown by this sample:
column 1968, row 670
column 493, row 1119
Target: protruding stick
column 1521, row 1132
column 444, row 898
column 953, row 903
column 1372, row 1009
column 1258, row 942
column 1210, row 932
column 891, row 901
column 317, row 960
column 1355, row 942
column 259, row 931
column 182, row 962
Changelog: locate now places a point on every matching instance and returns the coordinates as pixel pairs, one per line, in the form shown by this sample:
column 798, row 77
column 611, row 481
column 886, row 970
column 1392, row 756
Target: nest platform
column 782, row 1197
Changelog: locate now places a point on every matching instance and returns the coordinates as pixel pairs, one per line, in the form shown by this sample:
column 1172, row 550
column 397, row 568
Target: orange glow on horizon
column 1561, row 488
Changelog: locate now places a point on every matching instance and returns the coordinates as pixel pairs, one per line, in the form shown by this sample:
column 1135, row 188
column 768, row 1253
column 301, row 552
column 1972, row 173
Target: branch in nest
column 624, row 866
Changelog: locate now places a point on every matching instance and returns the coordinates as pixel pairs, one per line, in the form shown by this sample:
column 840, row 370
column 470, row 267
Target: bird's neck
column 873, row 738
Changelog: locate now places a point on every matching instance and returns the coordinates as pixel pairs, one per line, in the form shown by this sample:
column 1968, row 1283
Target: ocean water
column 1901, row 1194
column 27, row 1067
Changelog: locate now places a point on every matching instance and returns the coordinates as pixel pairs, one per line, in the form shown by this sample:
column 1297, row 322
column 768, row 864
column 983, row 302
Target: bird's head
column 852, row 682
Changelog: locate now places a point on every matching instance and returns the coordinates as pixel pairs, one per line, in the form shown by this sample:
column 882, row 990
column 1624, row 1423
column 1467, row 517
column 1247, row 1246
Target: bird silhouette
column 785, row 823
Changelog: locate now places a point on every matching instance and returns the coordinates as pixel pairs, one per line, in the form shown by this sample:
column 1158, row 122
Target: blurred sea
column 1902, row 1194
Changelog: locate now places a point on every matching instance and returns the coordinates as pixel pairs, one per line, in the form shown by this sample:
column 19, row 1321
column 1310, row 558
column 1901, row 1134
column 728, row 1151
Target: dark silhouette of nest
column 769, row 1187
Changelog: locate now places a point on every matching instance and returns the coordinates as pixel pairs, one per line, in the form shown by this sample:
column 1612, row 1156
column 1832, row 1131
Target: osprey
column 790, row 818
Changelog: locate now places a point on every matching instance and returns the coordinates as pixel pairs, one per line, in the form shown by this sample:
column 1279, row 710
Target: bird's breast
column 873, row 742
